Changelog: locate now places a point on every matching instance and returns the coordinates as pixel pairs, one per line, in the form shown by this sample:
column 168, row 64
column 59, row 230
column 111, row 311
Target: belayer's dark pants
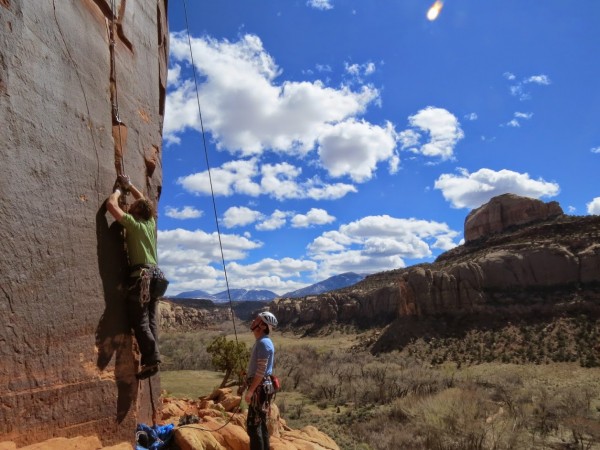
column 144, row 321
column 257, row 428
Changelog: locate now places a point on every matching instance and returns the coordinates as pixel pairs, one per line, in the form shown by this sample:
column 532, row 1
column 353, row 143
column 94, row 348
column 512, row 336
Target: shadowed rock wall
column 67, row 357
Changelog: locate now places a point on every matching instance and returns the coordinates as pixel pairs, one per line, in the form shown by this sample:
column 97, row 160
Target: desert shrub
column 228, row 356
column 324, row 387
column 297, row 410
column 399, row 400
column 387, row 435
column 295, row 365
column 184, row 351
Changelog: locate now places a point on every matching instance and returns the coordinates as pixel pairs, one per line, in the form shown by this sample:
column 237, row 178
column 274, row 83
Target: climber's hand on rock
column 124, row 181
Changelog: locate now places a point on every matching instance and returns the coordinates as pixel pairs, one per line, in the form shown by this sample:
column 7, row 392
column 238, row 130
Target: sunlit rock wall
column 67, row 357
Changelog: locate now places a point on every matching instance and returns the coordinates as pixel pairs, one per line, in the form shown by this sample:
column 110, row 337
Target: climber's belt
column 134, row 271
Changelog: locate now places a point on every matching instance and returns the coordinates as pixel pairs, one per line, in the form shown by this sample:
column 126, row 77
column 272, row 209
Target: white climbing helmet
column 268, row 318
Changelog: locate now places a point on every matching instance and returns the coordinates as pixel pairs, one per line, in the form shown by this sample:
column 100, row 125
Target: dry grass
column 397, row 401
column 189, row 383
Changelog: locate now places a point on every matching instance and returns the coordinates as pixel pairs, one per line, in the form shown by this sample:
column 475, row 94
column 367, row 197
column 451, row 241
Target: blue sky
column 357, row 135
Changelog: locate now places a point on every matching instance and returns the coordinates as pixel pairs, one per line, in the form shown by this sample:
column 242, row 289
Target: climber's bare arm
column 112, row 205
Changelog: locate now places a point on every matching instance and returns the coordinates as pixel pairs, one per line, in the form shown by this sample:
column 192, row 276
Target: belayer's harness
column 264, row 394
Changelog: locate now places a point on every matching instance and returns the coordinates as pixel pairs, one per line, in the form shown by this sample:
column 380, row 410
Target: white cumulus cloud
column 376, row 243
column 315, row 216
column 471, row 190
column 442, row 127
column 517, row 116
column 187, row 212
column 538, row 79
column 275, row 221
column 517, row 89
column 355, row 148
column 239, row 216
column 244, row 107
column 192, row 259
column 249, row 111
column 280, row 181
column 320, row 4
column 593, row 207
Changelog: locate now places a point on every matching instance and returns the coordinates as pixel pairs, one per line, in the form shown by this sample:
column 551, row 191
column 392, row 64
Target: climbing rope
column 212, row 192
column 214, row 205
column 154, row 411
column 198, row 427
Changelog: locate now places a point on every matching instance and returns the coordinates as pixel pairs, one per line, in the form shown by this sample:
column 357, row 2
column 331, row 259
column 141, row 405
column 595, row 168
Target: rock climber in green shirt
column 143, row 294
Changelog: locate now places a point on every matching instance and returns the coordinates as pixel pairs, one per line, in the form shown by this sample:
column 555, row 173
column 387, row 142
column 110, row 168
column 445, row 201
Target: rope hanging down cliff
column 212, row 192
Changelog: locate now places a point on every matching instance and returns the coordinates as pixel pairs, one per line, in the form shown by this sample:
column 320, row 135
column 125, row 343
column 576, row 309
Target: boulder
column 76, row 443
column 218, row 430
column 193, row 438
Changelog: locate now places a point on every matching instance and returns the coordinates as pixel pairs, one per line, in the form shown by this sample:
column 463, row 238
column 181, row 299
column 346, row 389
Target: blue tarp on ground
column 156, row 437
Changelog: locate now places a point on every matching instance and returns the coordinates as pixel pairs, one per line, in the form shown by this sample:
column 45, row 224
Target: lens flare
column 435, row 9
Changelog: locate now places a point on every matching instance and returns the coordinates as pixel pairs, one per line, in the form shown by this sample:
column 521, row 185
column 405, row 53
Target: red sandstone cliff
column 522, row 252
column 67, row 359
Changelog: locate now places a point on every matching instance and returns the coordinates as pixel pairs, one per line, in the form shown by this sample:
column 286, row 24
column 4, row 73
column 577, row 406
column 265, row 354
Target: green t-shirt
column 141, row 240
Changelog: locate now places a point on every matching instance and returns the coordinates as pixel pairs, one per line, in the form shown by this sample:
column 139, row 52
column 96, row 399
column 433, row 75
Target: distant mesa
column 521, row 258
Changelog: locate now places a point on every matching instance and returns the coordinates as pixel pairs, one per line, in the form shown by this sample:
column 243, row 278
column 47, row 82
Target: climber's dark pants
column 257, row 428
column 144, row 321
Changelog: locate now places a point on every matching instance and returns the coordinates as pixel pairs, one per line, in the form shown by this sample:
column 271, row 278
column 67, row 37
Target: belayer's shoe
column 147, row 371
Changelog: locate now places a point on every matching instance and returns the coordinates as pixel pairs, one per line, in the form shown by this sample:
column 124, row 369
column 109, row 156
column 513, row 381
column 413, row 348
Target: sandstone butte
column 520, row 254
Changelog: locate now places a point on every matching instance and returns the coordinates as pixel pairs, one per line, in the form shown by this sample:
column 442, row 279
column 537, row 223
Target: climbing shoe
column 148, row 370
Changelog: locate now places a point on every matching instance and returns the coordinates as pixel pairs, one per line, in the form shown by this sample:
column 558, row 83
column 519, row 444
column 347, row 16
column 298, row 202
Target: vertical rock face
column 507, row 210
column 67, row 356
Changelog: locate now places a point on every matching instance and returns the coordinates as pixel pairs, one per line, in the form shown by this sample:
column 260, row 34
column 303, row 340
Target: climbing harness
column 263, row 396
column 145, row 279
column 153, row 283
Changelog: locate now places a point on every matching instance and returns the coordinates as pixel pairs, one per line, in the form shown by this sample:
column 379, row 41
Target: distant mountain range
column 330, row 284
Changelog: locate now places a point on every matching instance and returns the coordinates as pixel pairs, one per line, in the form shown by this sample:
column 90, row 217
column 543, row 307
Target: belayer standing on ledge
column 146, row 282
column 260, row 386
